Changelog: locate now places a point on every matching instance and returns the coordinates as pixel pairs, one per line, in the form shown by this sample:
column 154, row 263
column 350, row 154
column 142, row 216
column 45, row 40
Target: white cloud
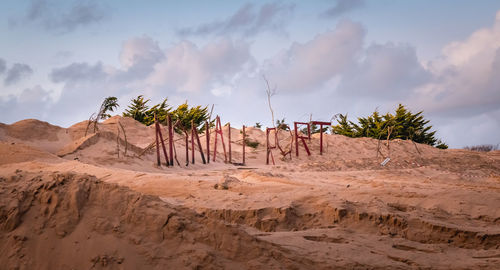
column 466, row 76
column 31, row 103
column 479, row 129
column 307, row 66
column 17, row 72
column 387, row 72
column 79, row 72
column 142, row 51
column 62, row 17
column 248, row 20
column 188, row 68
column 224, row 90
column 342, row 7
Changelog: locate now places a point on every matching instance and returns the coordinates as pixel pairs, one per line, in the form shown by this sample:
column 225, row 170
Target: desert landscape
column 75, row 201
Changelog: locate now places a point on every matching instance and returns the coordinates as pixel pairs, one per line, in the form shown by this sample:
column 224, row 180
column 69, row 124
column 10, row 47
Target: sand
column 70, row 201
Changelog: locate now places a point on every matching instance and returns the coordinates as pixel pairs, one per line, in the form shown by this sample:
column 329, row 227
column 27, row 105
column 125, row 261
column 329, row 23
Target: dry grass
column 482, row 147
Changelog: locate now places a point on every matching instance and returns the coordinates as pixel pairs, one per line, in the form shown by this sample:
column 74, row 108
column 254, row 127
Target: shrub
column 314, row 129
column 252, row 144
column 108, row 105
column 441, row 145
column 482, row 147
column 140, row 111
column 401, row 125
column 280, row 124
column 137, row 109
column 184, row 114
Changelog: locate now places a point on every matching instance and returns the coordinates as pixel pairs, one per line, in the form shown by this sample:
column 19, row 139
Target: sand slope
column 426, row 208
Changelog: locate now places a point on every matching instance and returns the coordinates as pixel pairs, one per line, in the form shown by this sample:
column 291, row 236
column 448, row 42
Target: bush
column 401, row 125
column 482, row 148
column 140, row 111
column 441, row 145
column 252, row 144
column 137, row 109
column 184, row 114
column 314, row 129
column 108, row 105
column 280, row 124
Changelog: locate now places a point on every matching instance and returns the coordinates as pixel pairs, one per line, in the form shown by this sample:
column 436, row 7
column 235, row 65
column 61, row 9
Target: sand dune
column 78, row 202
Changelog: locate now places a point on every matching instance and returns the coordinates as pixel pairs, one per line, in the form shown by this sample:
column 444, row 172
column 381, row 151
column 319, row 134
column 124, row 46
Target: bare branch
column 270, row 92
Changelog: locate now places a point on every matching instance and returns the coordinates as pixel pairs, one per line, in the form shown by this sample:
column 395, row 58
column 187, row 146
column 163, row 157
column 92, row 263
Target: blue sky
column 59, row 59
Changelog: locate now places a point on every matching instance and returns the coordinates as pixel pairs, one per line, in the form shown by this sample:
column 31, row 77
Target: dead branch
column 118, row 141
column 125, row 136
column 389, row 131
column 173, row 144
column 91, row 121
column 270, row 92
column 210, row 115
column 411, row 138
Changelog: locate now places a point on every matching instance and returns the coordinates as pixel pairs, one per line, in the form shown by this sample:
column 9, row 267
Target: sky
column 60, row 59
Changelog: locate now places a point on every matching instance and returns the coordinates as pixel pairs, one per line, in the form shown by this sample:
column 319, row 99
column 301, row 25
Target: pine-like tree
column 161, row 110
column 137, row 109
column 403, row 125
column 184, row 115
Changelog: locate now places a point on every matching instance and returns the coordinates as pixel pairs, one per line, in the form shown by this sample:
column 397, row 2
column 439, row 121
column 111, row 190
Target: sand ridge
column 427, row 208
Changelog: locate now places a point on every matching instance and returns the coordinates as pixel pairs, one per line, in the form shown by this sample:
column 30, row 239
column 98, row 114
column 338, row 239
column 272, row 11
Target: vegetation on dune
column 140, row 111
column 182, row 115
column 314, row 129
column 482, row 147
column 402, row 125
column 280, row 124
column 250, row 143
column 108, row 105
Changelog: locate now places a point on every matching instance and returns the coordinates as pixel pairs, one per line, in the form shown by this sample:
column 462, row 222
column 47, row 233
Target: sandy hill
column 75, row 201
column 87, row 224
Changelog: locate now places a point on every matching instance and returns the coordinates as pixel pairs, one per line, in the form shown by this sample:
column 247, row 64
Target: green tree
column 344, row 127
column 280, row 124
column 183, row 114
column 108, row 105
column 403, row 124
column 161, row 110
column 314, row 129
column 137, row 109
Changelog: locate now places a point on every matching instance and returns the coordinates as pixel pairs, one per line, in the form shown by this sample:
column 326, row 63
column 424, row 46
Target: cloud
column 83, row 87
column 188, row 68
column 51, row 16
column 16, row 73
column 31, row 103
column 3, row 66
column 466, row 76
column 308, row 66
column 389, row 72
column 139, row 55
column 79, row 72
column 342, row 7
column 248, row 20
column 181, row 71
